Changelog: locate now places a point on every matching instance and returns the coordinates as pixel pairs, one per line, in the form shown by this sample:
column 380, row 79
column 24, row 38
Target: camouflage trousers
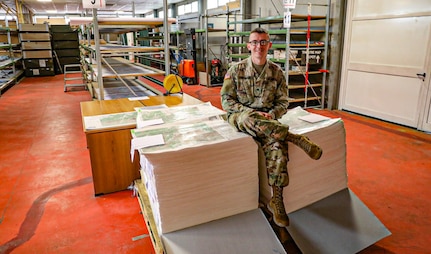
column 270, row 134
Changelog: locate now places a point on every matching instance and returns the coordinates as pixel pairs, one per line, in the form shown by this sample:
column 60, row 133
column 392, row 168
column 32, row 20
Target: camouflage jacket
column 245, row 90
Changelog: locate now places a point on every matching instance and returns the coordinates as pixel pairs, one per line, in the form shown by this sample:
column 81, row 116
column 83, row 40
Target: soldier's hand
column 266, row 115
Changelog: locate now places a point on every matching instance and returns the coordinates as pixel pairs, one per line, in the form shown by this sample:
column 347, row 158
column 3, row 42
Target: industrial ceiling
column 45, row 7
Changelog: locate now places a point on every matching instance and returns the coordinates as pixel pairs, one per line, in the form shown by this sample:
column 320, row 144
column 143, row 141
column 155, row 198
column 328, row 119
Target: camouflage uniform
column 243, row 93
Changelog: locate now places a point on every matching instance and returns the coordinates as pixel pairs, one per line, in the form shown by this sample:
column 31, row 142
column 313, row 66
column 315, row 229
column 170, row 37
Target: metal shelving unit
column 10, row 56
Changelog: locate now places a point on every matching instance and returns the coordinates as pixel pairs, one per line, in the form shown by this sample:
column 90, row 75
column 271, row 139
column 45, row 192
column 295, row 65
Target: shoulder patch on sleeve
column 227, row 76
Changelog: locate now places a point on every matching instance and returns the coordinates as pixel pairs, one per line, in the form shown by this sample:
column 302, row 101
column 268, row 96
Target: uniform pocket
column 244, row 92
column 270, row 90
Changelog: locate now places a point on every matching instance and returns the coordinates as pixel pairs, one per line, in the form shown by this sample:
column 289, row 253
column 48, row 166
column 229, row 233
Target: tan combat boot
column 276, row 206
column 313, row 150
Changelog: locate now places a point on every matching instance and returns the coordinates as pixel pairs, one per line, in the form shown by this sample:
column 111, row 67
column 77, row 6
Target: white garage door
column 386, row 56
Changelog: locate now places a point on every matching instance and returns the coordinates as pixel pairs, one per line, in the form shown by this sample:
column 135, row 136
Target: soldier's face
column 259, row 44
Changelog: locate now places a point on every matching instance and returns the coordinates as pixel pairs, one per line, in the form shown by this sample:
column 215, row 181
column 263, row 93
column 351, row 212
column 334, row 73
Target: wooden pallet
column 144, row 202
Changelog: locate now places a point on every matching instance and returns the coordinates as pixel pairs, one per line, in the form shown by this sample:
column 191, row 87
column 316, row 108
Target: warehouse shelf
column 107, row 62
column 10, row 55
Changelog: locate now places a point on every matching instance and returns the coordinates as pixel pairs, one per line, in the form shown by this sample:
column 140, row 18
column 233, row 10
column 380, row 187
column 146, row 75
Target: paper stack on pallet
column 310, row 180
column 324, row 213
column 199, row 172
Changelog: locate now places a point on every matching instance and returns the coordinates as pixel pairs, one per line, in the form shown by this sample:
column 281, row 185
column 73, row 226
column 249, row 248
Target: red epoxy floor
column 389, row 169
column 47, row 203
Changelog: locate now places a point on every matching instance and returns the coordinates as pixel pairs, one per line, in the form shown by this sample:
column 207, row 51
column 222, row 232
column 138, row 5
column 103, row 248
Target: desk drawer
column 39, row 72
column 35, row 45
column 65, row 36
column 65, row 44
column 69, row 60
column 67, row 52
column 34, row 37
column 60, row 29
column 33, row 28
column 37, row 54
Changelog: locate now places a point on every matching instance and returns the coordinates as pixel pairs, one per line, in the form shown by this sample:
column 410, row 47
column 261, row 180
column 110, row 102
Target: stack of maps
column 310, row 180
column 195, row 169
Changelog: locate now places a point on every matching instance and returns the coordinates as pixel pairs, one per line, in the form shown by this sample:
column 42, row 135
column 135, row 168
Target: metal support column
column 98, row 55
column 166, row 38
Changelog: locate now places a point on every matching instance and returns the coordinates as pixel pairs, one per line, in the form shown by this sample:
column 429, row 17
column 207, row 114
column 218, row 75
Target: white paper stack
column 203, row 172
column 173, row 115
column 310, row 180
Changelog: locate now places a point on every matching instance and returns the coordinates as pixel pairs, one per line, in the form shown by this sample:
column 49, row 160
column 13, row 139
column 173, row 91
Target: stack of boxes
column 36, row 49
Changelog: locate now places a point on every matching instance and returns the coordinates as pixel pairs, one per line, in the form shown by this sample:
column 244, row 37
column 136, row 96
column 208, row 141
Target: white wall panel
column 382, row 95
column 393, row 42
column 378, row 8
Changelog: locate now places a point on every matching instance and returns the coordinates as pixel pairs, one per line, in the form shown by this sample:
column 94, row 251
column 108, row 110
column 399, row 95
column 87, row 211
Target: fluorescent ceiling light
column 44, row 0
column 51, row 11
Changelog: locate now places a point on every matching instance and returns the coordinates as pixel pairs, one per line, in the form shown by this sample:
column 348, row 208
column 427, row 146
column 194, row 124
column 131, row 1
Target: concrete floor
column 47, row 202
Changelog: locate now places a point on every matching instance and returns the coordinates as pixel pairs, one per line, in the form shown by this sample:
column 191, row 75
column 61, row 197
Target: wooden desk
column 109, row 149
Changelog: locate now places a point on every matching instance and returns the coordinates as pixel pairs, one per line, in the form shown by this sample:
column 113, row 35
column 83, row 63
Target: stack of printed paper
column 310, row 180
column 197, row 172
column 153, row 115
column 148, row 116
column 108, row 121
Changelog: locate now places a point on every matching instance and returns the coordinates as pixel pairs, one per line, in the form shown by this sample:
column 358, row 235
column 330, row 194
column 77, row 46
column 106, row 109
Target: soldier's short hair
column 259, row 30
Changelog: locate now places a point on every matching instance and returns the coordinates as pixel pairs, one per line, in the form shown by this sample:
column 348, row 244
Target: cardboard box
column 204, row 79
column 38, row 63
column 279, row 54
column 39, row 72
column 314, row 57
